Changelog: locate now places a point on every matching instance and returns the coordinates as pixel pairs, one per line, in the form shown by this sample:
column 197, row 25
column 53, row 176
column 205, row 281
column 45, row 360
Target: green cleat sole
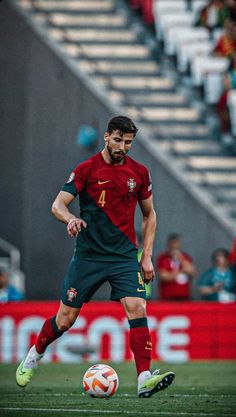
column 164, row 383
column 23, row 376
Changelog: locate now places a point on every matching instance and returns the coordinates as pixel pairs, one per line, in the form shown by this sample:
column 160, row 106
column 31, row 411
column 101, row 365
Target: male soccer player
column 109, row 185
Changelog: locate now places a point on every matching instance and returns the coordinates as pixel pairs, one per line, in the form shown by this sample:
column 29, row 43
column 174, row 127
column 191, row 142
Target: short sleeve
column 145, row 190
column 206, row 279
column 76, row 181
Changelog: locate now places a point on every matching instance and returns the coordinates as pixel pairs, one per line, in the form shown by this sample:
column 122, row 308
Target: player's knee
column 136, row 310
column 64, row 323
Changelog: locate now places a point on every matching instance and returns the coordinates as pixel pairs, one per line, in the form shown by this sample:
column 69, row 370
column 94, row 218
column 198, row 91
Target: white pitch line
column 63, row 394
column 84, row 410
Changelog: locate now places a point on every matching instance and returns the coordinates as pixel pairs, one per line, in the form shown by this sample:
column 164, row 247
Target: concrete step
column 179, row 131
column 100, row 35
column 88, row 21
column 119, row 68
column 213, row 179
column 191, row 147
column 128, row 83
column 75, row 6
column 170, row 114
column 158, row 99
column 223, row 195
column 107, row 50
column 211, row 163
column 193, row 131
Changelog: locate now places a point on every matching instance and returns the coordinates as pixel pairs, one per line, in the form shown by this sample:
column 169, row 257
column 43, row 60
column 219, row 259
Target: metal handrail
column 13, row 252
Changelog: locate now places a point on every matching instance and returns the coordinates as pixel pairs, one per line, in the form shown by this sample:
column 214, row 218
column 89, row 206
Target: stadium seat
column 201, row 65
column 176, row 36
column 186, row 51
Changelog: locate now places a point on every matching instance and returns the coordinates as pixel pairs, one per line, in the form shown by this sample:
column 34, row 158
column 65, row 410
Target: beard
column 116, row 156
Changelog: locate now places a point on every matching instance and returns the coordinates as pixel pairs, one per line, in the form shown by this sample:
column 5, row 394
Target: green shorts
column 84, row 277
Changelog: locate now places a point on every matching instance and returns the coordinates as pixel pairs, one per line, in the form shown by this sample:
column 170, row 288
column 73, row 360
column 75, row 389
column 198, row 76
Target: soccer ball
column 100, row 381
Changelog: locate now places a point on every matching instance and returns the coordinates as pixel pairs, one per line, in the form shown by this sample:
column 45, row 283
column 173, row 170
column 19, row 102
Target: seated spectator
column 229, row 83
column 226, row 45
column 213, row 15
column 175, row 271
column 232, row 253
column 217, row 283
column 7, row 291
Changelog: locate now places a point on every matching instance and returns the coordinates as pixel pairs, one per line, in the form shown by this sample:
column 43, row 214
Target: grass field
column 200, row 389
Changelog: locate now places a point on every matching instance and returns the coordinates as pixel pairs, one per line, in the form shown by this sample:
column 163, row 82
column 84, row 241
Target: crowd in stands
column 176, row 272
column 216, row 73
column 8, row 292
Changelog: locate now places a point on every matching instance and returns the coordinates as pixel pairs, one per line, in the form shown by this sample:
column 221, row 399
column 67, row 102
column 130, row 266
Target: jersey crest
column 131, row 184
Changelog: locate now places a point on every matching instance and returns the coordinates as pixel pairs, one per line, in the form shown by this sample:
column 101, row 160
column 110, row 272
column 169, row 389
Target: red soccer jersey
column 108, row 198
column 179, row 289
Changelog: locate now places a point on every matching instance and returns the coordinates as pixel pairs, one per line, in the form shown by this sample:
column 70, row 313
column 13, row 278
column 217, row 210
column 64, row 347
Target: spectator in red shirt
column 175, row 271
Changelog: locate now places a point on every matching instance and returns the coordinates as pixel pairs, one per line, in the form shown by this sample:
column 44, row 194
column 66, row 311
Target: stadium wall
column 180, row 332
column 44, row 100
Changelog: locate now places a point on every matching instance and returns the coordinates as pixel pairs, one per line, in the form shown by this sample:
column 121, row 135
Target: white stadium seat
column 201, row 65
column 183, row 20
column 188, row 50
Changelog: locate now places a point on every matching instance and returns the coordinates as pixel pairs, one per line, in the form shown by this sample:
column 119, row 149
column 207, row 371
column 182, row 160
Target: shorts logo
column 72, row 293
column 131, row 184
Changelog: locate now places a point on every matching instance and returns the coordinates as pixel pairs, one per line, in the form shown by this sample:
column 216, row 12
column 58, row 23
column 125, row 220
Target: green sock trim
column 141, row 322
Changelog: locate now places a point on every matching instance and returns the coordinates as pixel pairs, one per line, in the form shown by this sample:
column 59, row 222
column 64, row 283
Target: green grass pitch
column 200, row 389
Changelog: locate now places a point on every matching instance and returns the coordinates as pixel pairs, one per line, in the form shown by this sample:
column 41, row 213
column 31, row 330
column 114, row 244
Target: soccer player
column 109, row 185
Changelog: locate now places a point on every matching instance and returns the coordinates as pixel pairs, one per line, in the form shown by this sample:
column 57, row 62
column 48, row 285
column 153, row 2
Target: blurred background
column 67, row 67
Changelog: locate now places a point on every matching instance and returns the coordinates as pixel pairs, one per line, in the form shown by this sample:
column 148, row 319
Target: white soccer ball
column 100, row 381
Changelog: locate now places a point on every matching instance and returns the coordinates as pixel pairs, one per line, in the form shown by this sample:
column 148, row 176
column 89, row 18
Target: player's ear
column 106, row 136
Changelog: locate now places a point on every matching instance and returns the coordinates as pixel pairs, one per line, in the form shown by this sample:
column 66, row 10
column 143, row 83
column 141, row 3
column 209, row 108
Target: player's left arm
column 149, row 232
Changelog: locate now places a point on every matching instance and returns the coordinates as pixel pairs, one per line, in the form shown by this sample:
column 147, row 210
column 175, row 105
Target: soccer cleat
column 156, row 382
column 26, row 369
column 23, row 375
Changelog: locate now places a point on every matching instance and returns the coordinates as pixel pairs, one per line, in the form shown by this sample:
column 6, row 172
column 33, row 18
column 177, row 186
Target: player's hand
column 74, row 226
column 147, row 269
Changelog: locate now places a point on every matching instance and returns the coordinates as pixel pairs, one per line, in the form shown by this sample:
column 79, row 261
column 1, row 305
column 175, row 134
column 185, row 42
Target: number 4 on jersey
column 102, row 197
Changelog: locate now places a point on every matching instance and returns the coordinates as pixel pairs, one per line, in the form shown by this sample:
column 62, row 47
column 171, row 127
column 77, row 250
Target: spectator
column 229, row 83
column 213, row 15
column 7, row 291
column 217, row 283
column 175, row 271
column 226, row 45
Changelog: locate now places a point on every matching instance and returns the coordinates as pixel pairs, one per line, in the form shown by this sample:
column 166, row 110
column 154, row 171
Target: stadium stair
column 107, row 41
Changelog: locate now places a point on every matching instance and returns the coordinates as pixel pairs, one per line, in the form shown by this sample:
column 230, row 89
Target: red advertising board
column 180, row 331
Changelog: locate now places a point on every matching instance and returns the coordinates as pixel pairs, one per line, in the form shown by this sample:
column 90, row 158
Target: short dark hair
column 219, row 251
column 174, row 236
column 123, row 124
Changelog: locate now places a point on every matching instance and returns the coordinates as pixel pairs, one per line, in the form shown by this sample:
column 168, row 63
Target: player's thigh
column 126, row 282
column 82, row 279
column 135, row 307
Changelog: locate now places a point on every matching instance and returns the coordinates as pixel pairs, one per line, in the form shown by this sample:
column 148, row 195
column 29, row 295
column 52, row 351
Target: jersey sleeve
column 145, row 190
column 76, row 181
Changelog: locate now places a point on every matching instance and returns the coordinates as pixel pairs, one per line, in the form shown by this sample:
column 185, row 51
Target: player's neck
column 107, row 158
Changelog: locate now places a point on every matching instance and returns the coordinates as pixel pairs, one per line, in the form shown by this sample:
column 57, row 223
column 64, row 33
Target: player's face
column 118, row 145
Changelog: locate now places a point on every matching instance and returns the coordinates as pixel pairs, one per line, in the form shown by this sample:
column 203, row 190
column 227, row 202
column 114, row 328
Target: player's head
column 220, row 258
column 174, row 242
column 119, row 136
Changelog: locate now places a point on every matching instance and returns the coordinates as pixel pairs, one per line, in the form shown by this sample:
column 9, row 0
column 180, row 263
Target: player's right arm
column 61, row 211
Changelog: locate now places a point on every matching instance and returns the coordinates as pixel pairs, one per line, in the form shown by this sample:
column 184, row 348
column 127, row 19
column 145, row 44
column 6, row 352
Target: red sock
column 47, row 335
column 140, row 344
